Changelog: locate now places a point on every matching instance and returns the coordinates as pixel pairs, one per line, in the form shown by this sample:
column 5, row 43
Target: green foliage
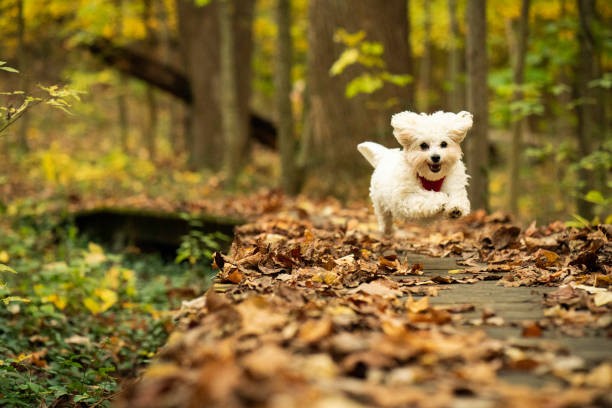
column 368, row 54
column 93, row 317
column 198, row 246
column 54, row 96
column 7, row 69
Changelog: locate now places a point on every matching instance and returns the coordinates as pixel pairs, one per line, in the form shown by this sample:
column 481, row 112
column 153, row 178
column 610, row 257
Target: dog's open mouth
column 434, row 167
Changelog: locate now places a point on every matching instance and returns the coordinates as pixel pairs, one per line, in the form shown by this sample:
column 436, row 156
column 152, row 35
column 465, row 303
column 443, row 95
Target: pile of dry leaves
column 313, row 309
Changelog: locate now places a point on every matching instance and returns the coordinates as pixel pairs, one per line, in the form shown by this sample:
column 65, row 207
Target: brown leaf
column 266, row 361
column 505, row 236
column 218, row 261
column 314, row 330
column 545, row 258
column 390, row 264
column 380, row 287
column 417, row 306
column 259, row 316
column 586, row 258
column 531, row 329
column 235, row 276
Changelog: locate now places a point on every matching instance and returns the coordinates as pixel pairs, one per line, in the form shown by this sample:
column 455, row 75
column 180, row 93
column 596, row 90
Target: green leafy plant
column 198, row 246
column 54, row 95
column 368, row 54
column 93, row 317
column 3, row 287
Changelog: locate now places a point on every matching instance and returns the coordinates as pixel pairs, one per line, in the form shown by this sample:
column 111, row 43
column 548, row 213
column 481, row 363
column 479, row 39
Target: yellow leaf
column 111, row 278
column 4, row 257
column 58, row 301
column 92, row 305
column 161, row 370
column 95, row 248
column 417, row 306
column 108, row 297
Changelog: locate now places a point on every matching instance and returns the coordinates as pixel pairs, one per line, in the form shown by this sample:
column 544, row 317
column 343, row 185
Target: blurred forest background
column 216, row 106
column 189, row 98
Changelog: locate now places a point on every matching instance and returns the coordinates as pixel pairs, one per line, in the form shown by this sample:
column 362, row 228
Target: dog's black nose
column 435, row 158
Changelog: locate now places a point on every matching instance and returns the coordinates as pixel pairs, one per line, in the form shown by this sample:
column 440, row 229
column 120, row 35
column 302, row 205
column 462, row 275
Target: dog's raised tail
column 373, row 152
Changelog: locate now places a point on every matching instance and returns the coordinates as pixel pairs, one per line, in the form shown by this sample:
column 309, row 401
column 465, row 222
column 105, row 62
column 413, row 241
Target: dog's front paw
column 454, row 210
column 454, row 213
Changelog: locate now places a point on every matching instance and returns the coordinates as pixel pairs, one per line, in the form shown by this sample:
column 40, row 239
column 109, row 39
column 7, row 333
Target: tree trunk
column 24, row 83
column 199, row 38
column 233, row 137
column 477, row 152
column 591, row 122
column 456, row 101
column 426, row 59
column 150, row 130
column 286, row 137
column 519, row 51
column 168, row 79
column 339, row 124
column 122, row 106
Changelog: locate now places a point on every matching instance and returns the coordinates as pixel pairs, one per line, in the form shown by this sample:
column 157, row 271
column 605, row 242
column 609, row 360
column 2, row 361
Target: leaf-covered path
column 312, row 309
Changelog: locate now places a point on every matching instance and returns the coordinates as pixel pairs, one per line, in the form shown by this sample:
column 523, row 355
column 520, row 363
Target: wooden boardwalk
column 512, row 309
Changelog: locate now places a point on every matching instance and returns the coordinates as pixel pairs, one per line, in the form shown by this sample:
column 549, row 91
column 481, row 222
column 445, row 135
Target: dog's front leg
column 458, row 204
column 424, row 205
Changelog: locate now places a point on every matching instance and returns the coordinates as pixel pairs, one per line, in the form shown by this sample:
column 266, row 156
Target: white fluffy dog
column 427, row 177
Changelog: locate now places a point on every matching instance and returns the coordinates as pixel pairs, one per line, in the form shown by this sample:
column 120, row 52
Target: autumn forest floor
column 311, row 308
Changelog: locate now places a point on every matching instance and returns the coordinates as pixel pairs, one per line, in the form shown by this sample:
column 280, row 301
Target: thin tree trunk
column 521, row 33
column 286, row 138
column 24, row 83
column 122, row 106
column 477, row 152
column 426, row 59
column 455, row 94
column 234, row 140
column 591, row 122
column 150, row 132
column 200, row 38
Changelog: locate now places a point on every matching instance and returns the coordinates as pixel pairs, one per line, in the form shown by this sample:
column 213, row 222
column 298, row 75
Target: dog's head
column 431, row 142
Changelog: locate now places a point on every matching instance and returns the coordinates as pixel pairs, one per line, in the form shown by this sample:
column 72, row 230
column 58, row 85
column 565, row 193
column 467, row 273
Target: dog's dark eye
column 424, row 146
column 443, row 144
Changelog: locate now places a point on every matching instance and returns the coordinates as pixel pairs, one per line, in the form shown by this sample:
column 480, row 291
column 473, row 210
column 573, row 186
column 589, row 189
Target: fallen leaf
column 531, row 329
column 267, row 360
column 417, row 306
column 379, row 287
column 314, row 330
column 602, row 298
column 545, row 258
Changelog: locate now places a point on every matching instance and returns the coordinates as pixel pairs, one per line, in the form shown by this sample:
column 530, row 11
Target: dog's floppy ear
column 404, row 126
column 462, row 123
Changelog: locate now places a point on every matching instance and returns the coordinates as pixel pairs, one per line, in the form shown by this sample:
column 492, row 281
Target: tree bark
column 24, row 82
column 232, row 133
column 339, row 124
column 456, row 100
column 591, row 118
column 150, row 130
column 519, row 51
column 122, row 105
column 426, row 59
column 199, row 39
column 168, row 79
column 477, row 152
column 286, row 136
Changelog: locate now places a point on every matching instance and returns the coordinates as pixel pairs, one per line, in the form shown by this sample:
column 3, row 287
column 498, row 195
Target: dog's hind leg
column 385, row 220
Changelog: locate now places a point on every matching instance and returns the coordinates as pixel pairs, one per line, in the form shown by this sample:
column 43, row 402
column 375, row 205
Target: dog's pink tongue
column 431, row 185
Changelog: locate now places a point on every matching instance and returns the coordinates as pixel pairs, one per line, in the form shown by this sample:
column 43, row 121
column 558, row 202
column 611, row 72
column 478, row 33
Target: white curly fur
column 430, row 151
